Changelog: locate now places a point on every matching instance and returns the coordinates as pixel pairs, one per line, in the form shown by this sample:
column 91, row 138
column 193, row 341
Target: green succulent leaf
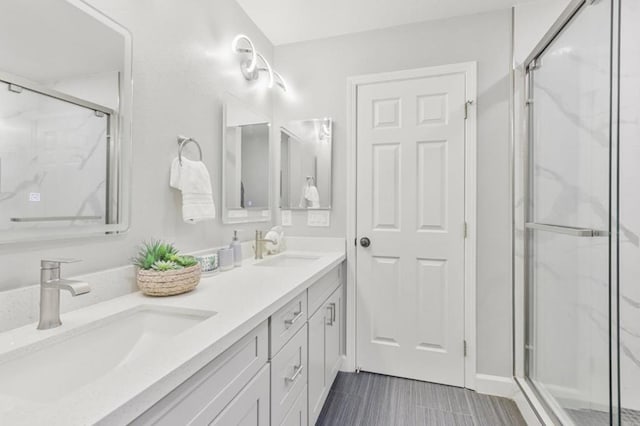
column 165, row 265
column 152, row 252
column 187, row 261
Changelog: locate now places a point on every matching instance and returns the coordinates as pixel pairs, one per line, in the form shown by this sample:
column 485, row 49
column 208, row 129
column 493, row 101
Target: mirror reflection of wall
column 305, row 162
column 62, row 103
column 246, row 161
column 246, row 154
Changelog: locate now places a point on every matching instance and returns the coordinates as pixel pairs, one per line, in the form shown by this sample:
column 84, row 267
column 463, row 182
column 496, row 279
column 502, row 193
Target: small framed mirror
column 245, row 164
column 65, row 121
column 306, row 164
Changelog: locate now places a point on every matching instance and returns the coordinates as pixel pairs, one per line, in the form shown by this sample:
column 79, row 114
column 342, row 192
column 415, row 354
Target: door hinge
column 465, row 230
column 466, row 108
column 464, row 347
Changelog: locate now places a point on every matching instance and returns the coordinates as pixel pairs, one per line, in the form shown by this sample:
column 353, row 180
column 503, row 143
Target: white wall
column 317, row 74
column 531, row 22
column 182, row 65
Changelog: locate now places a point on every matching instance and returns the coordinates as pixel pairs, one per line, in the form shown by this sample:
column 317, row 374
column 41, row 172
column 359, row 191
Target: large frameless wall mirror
column 305, row 164
column 245, row 164
column 65, row 117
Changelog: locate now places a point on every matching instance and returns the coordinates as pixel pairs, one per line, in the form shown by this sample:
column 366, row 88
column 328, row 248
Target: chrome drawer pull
column 295, row 318
column 330, row 313
column 295, row 374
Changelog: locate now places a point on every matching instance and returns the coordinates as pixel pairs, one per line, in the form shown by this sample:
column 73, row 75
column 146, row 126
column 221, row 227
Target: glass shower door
column 568, row 333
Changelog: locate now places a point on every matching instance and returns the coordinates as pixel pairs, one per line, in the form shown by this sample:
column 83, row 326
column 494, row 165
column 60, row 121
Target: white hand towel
column 276, row 235
column 312, row 196
column 192, row 178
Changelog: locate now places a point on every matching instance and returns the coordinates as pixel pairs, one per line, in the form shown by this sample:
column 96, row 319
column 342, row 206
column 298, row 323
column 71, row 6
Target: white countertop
column 242, row 299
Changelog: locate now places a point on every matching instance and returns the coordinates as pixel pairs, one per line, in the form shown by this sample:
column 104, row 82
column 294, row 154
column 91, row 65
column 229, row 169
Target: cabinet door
column 333, row 357
column 317, row 384
column 288, row 375
column 205, row 394
column 297, row 416
column 251, row 406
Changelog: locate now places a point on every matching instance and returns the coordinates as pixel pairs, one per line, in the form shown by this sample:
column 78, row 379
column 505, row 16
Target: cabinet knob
column 365, row 242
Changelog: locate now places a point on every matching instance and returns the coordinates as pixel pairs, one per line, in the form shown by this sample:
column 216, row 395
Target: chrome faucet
column 258, row 245
column 50, row 286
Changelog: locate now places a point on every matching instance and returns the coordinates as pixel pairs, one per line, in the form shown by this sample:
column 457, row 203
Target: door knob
column 365, row 242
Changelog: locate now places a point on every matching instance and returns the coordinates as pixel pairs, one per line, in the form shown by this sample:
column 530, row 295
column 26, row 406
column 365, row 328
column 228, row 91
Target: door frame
column 469, row 69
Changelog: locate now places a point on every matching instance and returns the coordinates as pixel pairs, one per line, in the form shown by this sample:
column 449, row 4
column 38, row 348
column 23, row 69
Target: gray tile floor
column 376, row 400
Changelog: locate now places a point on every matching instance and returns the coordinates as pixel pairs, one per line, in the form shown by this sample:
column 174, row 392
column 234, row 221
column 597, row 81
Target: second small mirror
column 305, row 164
column 245, row 165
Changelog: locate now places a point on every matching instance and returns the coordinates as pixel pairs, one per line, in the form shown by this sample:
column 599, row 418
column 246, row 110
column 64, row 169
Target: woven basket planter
column 168, row 283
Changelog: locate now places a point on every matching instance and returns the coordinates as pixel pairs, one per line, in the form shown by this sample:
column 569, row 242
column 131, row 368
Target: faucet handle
column 54, row 263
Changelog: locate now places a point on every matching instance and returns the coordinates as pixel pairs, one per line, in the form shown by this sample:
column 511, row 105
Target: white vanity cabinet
column 325, row 357
column 204, row 396
column 279, row 374
column 289, row 376
column 251, row 406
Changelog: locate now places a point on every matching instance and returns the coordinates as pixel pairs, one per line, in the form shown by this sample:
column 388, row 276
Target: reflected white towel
column 192, row 178
column 312, row 196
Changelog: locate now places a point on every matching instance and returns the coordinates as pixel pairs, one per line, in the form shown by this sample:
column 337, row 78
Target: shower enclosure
column 581, row 233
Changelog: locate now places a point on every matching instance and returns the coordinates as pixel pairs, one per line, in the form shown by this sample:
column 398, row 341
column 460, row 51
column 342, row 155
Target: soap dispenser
column 237, row 249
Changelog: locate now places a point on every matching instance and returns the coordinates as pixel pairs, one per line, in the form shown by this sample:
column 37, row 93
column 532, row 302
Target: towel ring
column 182, row 140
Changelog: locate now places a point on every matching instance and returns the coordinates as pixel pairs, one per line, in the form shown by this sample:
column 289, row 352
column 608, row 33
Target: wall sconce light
column 252, row 67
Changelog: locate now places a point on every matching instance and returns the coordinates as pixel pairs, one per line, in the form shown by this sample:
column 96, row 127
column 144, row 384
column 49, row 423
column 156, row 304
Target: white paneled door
column 410, row 227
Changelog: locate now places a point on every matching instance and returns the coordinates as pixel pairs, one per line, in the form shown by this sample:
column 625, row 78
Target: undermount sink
column 53, row 368
column 288, row 260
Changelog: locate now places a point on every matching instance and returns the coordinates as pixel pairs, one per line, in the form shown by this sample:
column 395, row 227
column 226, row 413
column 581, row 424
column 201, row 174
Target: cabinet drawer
column 203, row 396
column 286, row 322
column 250, row 407
column 322, row 289
column 297, row 416
column 288, row 376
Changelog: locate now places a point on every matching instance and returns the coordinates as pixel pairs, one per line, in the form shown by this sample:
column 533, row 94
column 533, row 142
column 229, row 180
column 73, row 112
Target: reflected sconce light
column 255, row 63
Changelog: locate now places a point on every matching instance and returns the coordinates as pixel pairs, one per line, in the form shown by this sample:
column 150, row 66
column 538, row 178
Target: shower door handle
column 567, row 230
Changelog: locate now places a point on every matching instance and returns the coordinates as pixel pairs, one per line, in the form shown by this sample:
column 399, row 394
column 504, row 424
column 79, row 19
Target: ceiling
column 290, row 21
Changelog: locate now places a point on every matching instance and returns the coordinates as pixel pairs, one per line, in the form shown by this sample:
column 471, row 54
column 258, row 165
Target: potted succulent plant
column 162, row 271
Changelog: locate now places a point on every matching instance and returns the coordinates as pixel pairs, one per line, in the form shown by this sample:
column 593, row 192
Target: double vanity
column 260, row 344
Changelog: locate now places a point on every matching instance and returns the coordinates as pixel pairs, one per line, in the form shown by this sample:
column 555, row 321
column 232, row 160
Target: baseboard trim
column 496, row 385
column 507, row 387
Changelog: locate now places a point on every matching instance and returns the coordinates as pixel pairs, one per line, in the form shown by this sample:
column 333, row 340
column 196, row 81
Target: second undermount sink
column 288, row 260
column 53, row 368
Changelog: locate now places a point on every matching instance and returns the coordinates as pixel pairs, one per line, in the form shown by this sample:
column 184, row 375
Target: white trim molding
column 470, row 70
column 505, row 387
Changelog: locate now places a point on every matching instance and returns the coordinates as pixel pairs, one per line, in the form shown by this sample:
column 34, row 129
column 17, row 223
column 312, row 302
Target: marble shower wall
column 630, row 206
column 573, row 378
column 570, row 187
column 53, row 160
